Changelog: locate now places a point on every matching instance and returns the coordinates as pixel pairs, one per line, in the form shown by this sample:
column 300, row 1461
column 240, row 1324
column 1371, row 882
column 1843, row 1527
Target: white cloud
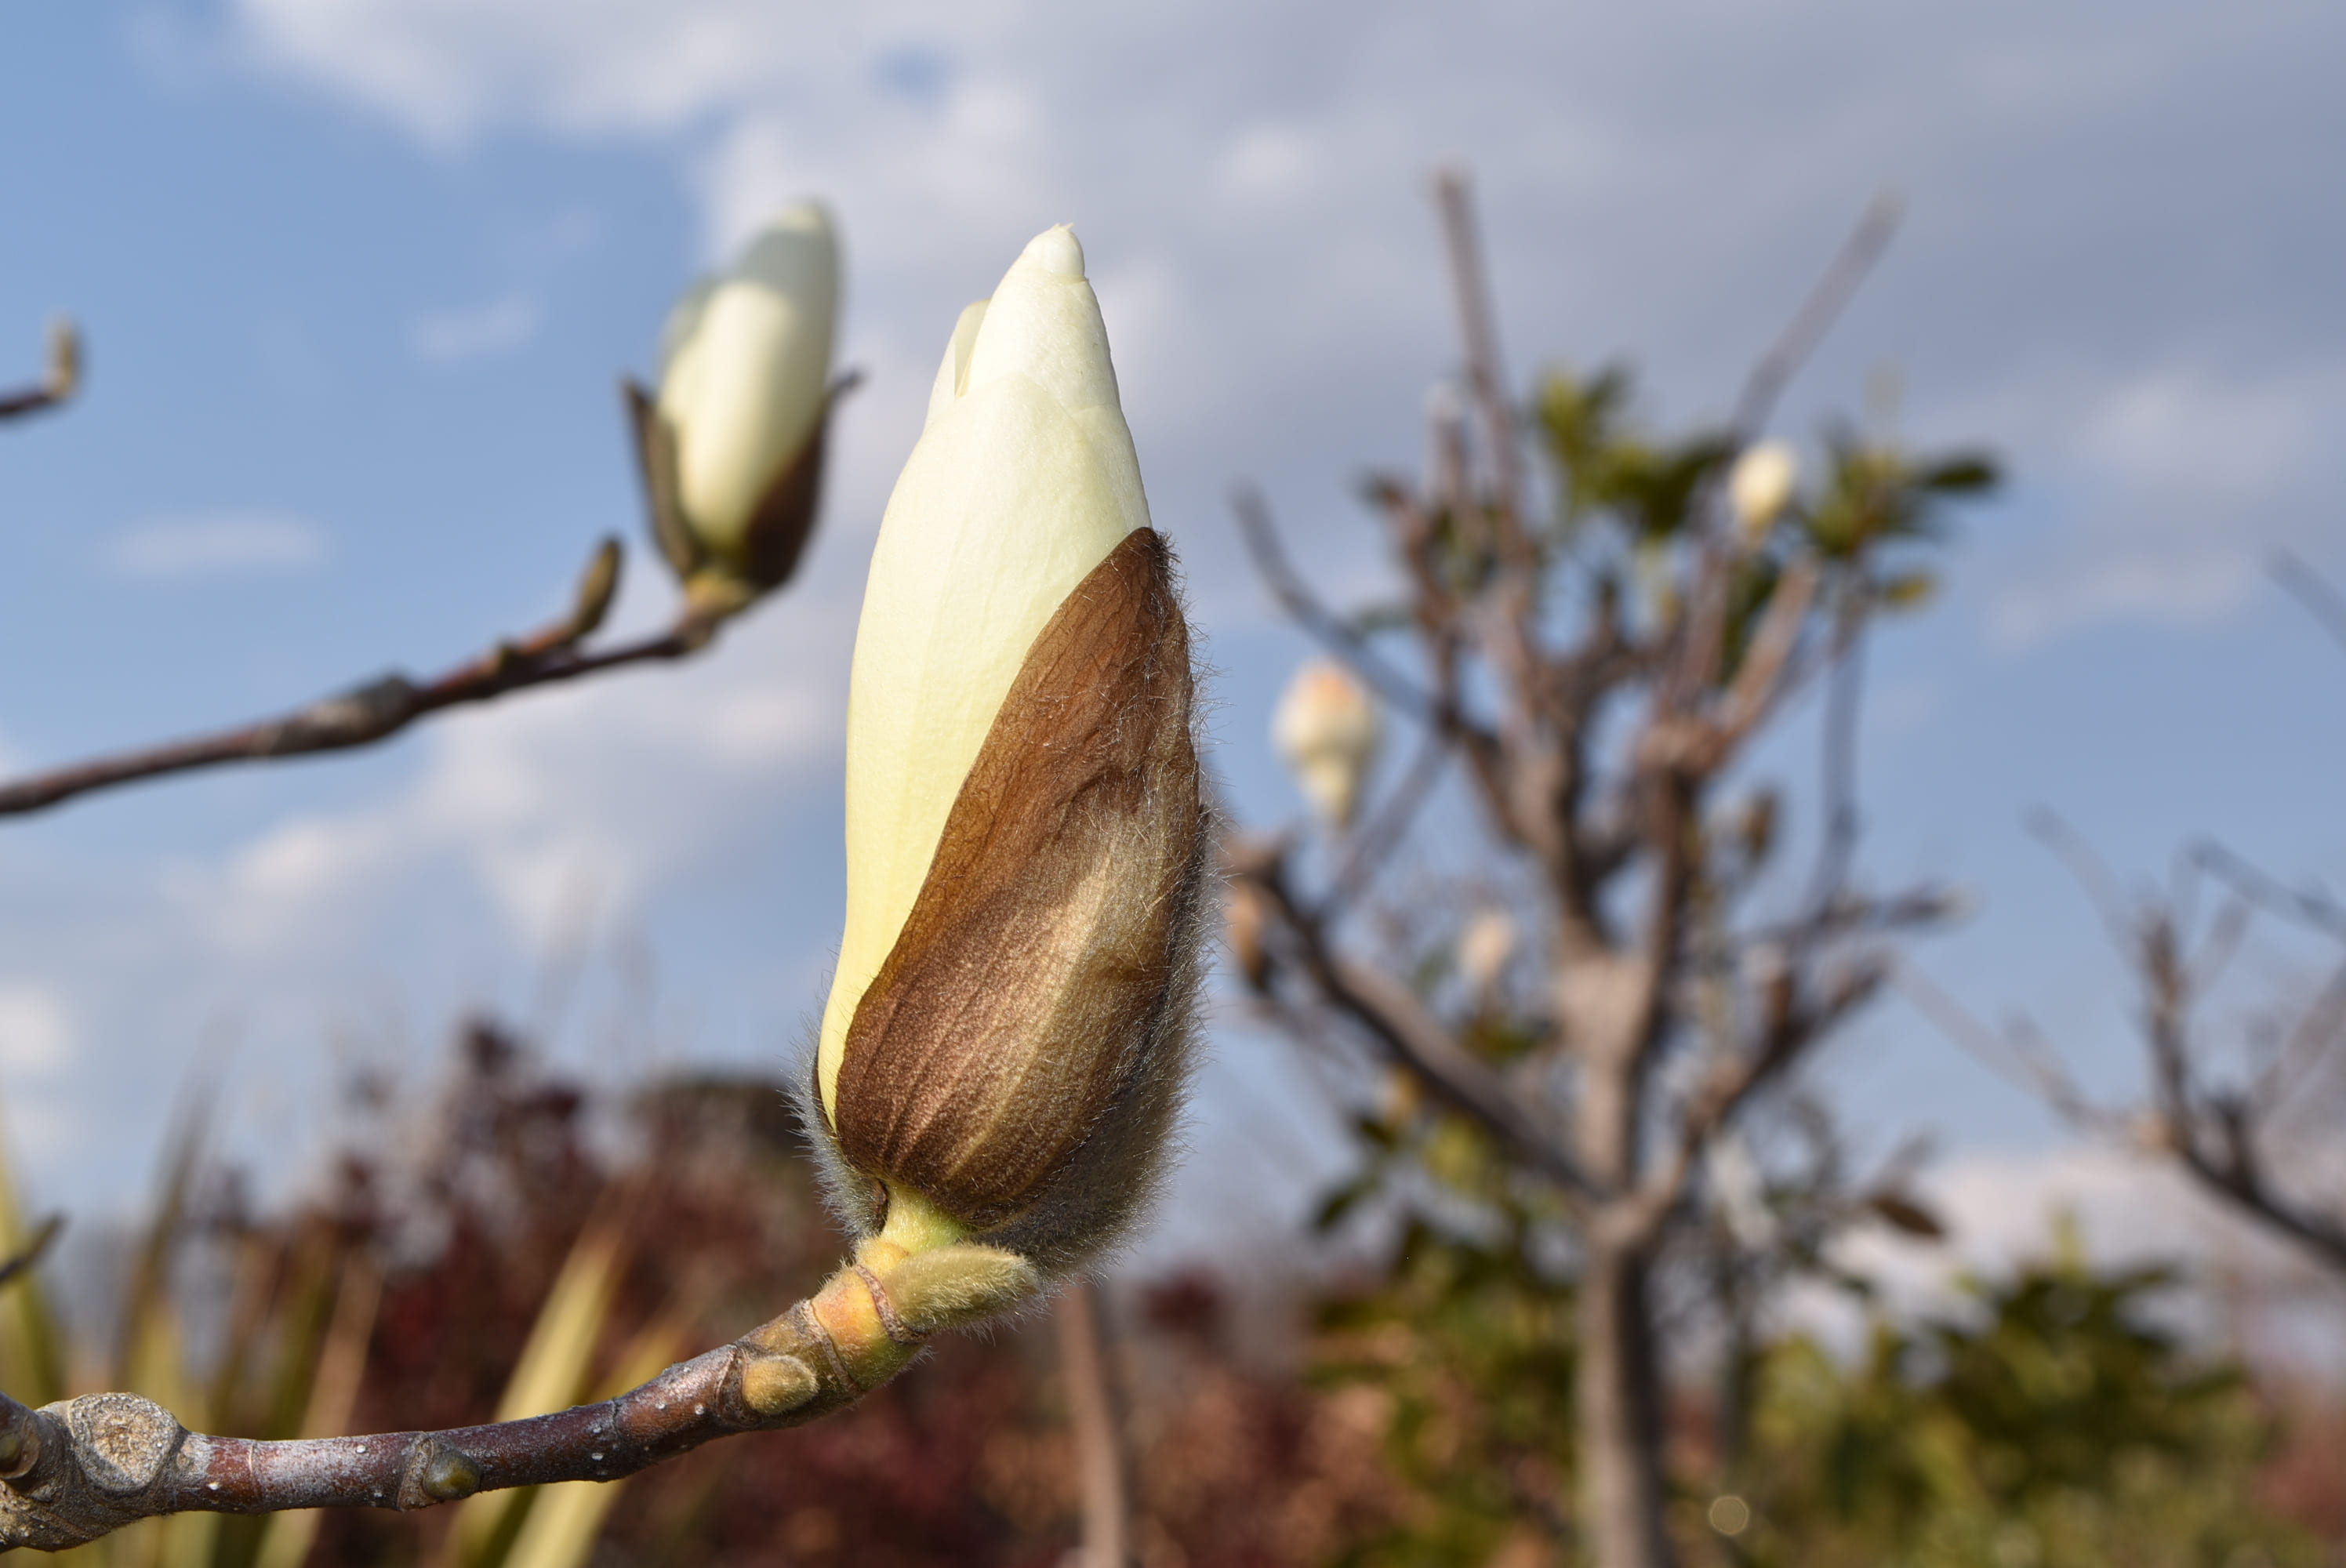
column 223, row 543
column 443, row 336
column 2183, row 482
column 1662, row 181
column 608, row 789
column 447, row 69
column 2001, row 1208
column 36, row 1031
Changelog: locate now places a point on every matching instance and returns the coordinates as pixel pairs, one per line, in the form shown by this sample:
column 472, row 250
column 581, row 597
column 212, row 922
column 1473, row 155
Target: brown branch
column 2010, row 1056
column 382, row 707
column 1510, row 631
column 2301, row 906
column 58, row 386
column 1844, row 687
column 1766, row 672
column 1092, row 1416
column 1486, row 379
column 2182, row 1129
column 76, row 1469
column 1412, row 1038
column 1762, row 388
column 1386, row 831
column 2312, row 590
column 33, row 1250
column 1305, row 608
column 1788, row 1029
column 27, row 400
column 1827, row 299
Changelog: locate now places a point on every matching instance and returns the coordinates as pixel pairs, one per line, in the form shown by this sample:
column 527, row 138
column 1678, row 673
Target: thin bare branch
column 382, row 707
column 1826, row 301
column 33, row 1251
column 1377, row 840
column 2315, row 1033
column 1706, row 624
column 2119, row 916
column 1092, row 1416
column 2301, row 906
column 78, row 1470
column 1411, row 1037
column 58, row 386
column 2010, row 1056
column 1837, row 767
column 1764, row 676
column 1485, row 378
column 1271, row 561
column 2312, row 590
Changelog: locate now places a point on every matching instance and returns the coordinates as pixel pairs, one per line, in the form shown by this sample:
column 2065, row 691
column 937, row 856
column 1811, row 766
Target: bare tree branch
column 31, row 1254
column 1705, row 631
column 1370, row 846
column 1478, row 333
column 2312, row 590
column 1413, row 1039
column 2010, row 1056
column 61, row 380
column 1271, row 561
column 2302, row 906
column 1838, row 767
column 1818, row 312
column 1092, row 1416
column 382, row 707
column 76, row 1469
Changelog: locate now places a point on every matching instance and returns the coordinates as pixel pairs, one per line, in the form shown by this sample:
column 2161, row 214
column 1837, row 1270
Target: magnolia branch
column 78, row 1470
column 1411, row 1037
column 58, row 386
column 1773, row 372
column 1270, row 559
column 365, row 714
column 2215, row 1137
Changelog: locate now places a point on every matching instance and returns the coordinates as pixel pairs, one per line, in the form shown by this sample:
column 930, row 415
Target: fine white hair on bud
column 1326, row 730
column 744, row 390
column 1003, row 1050
column 1759, row 486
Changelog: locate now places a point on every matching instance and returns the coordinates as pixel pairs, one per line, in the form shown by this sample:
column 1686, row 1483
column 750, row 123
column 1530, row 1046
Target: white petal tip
column 807, row 216
column 1057, row 251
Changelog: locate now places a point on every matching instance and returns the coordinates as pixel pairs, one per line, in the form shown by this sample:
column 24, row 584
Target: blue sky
column 359, row 275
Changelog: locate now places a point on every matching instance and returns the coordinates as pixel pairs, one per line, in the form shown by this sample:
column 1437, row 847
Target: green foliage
column 1469, row 1345
column 1625, row 499
column 2054, row 1423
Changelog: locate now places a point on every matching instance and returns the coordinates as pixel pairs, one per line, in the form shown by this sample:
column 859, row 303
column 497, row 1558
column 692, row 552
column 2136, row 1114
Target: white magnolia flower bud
column 1326, row 730
column 1759, row 486
column 1484, row 946
column 1024, row 829
column 744, row 387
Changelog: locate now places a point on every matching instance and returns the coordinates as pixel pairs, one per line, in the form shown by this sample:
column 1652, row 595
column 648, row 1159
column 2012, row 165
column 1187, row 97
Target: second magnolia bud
column 1327, row 731
column 732, row 444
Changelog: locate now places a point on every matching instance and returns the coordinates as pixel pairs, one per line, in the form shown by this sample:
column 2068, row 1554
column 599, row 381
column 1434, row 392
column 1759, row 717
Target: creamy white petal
column 745, row 380
column 1023, row 481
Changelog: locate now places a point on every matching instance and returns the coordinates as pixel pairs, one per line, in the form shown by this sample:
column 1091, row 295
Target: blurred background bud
column 1326, row 730
column 1242, row 929
column 1484, row 946
column 1006, row 1040
column 1759, row 486
column 64, row 378
column 734, row 446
